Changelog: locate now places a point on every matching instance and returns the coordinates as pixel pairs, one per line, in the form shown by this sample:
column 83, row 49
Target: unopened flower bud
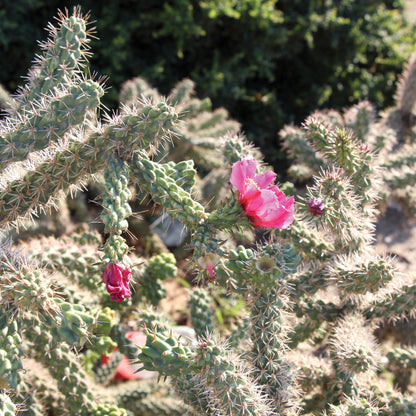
column 116, row 278
column 316, row 206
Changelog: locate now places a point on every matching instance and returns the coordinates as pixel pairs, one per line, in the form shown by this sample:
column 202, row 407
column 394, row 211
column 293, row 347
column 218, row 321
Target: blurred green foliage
column 269, row 62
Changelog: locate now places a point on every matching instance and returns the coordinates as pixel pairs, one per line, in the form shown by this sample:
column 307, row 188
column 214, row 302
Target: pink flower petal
column 264, row 204
column 264, row 179
column 243, row 169
column 281, row 215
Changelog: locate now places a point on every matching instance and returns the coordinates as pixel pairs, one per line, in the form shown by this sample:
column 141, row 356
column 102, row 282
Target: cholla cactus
column 312, row 283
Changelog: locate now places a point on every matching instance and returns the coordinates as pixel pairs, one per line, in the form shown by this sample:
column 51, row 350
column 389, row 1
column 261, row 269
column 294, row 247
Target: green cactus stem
column 63, row 58
column 179, row 204
column 48, row 121
column 231, row 389
column 78, row 159
column 116, row 210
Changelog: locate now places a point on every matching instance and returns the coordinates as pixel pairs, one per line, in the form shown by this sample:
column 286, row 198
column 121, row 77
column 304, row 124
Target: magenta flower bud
column 264, row 203
column 316, row 206
column 116, row 278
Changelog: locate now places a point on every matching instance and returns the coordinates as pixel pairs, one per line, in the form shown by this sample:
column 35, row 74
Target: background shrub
column 268, row 62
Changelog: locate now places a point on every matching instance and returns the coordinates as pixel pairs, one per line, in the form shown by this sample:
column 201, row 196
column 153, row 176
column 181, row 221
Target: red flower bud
column 316, row 206
column 116, row 278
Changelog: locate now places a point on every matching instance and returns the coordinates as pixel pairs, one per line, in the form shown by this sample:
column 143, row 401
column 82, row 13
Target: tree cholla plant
column 314, row 289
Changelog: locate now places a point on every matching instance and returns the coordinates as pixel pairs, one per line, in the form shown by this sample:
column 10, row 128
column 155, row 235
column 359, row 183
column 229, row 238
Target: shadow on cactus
column 311, row 288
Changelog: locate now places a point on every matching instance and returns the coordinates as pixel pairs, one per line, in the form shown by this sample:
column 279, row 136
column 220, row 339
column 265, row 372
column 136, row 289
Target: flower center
column 250, row 181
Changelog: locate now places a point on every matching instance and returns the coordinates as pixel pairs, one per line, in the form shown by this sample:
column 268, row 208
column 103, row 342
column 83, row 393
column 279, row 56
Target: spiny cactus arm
column 263, row 273
column 402, row 357
column 340, row 146
column 353, row 350
column 341, row 212
column 306, row 160
column 116, row 209
column 64, row 366
column 42, row 385
column 356, row 406
column 125, row 345
column 313, row 313
column 108, row 410
column 78, row 159
column 312, row 371
column 179, row 204
column 236, row 147
column 64, row 56
column 193, row 395
column 136, row 92
column 201, row 312
column 308, row 279
column 7, row 407
column 154, row 405
column 47, row 121
column 401, row 177
column 26, row 288
column 394, row 303
column 150, row 290
column 360, row 274
column 228, row 387
column 29, row 399
column 393, row 403
column 147, row 397
column 182, row 92
column 157, row 269
column 7, row 102
column 403, row 157
column 406, row 89
column 308, row 240
column 149, row 316
column 268, row 340
column 78, row 262
column 237, row 340
column 360, row 118
column 183, row 173
column 10, row 350
column 228, row 216
column 210, row 124
column 195, row 106
column 268, row 307
column 104, row 374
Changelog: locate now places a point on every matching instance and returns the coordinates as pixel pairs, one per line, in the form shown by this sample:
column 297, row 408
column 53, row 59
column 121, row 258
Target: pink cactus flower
column 265, row 205
column 116, row 278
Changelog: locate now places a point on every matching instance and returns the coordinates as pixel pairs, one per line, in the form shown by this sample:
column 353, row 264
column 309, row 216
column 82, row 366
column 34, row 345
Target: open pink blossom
column 265, row 205
column 116, row 278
